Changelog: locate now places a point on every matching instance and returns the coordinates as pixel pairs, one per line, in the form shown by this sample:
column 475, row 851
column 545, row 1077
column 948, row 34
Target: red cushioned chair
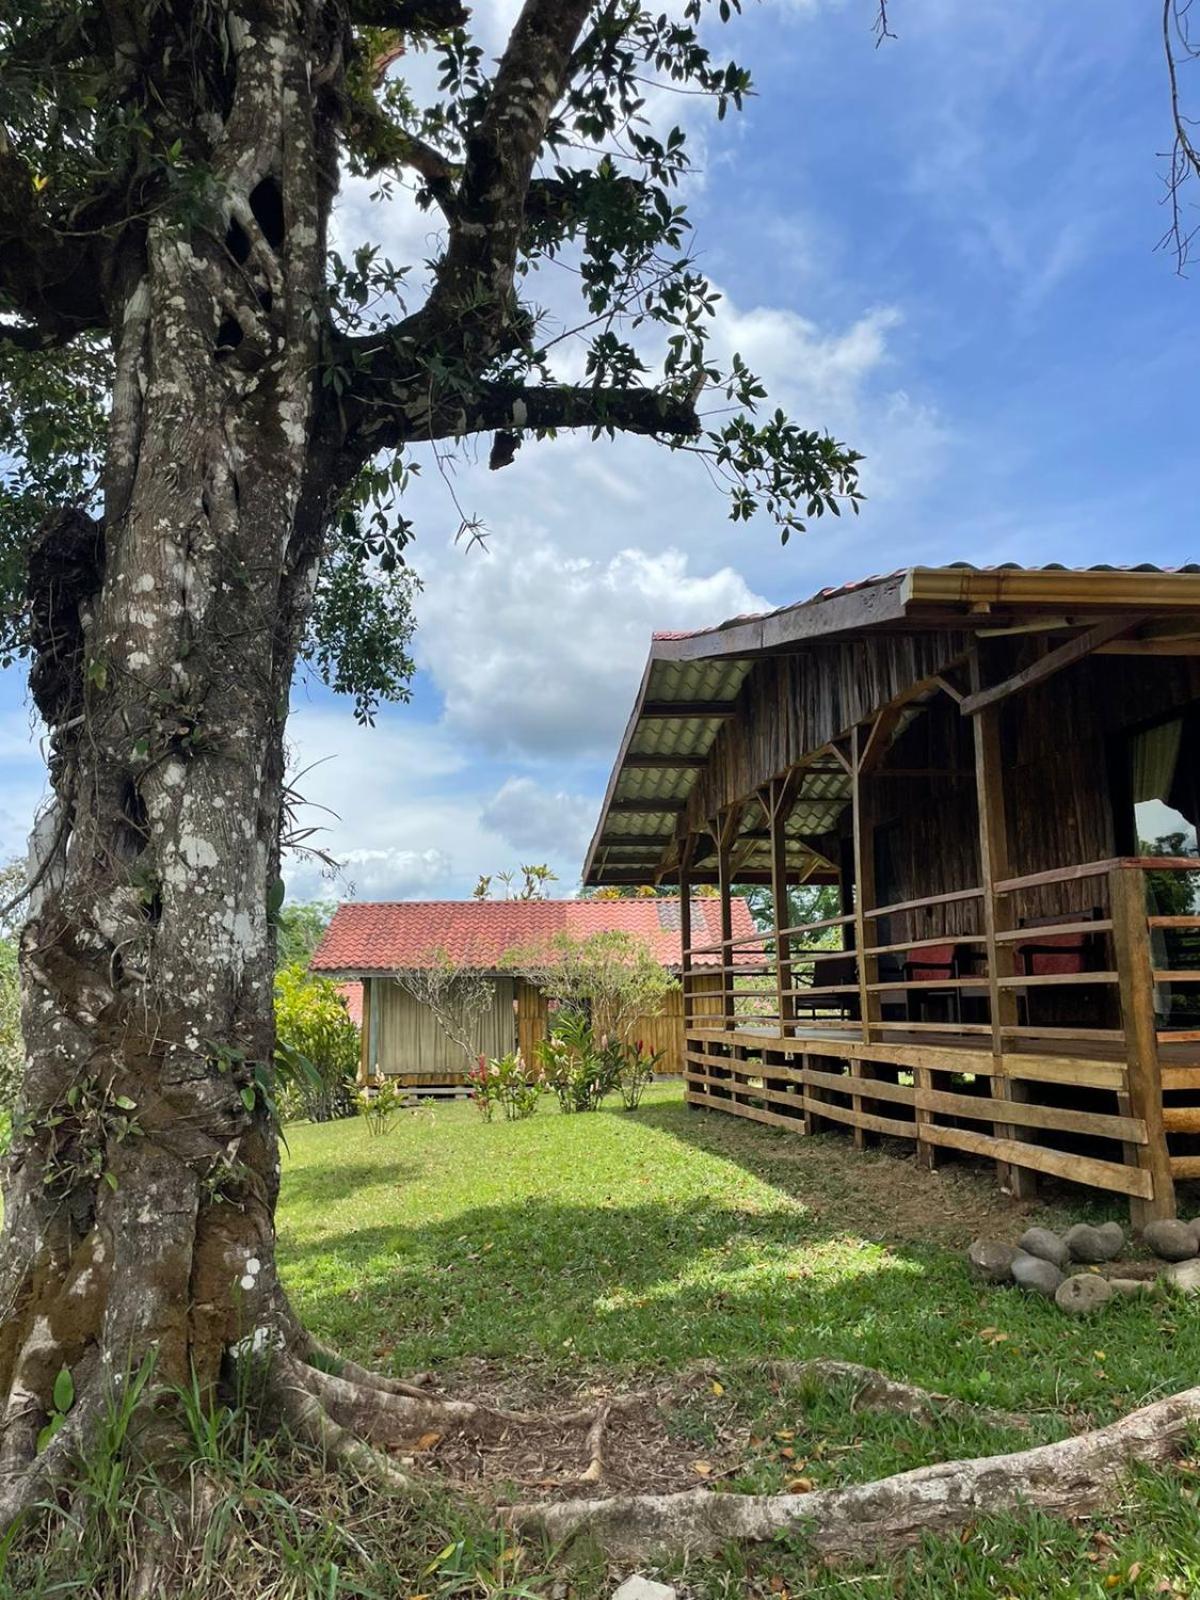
column 929, row 966
column 1056, row 955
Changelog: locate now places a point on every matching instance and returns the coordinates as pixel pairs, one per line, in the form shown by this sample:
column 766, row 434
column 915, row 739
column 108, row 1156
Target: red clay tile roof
column 381, row 936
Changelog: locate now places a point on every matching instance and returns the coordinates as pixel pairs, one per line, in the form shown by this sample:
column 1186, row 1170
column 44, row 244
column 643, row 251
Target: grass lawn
column 607, row 1249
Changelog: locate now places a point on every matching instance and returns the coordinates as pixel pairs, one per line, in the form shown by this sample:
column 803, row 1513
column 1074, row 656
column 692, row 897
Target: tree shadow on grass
column 882, row 1190
column 638, row 1285
column 312, row 1184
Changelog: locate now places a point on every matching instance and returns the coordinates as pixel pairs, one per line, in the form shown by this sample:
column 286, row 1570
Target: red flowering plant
column 485, row 1093
column 507, row 1082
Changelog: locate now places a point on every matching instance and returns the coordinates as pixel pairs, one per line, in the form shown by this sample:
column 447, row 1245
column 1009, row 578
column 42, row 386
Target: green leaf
column 64, row 1390
column 247, row 1095
column 125, row 1103
column 49, row 1431
column 275, row 896
column 110, row 1179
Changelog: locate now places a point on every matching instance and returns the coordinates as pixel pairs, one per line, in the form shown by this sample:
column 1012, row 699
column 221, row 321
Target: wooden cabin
column 1000, row 772
column 368, row 942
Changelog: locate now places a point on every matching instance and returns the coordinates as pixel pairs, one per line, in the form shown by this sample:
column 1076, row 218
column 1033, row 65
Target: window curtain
column 1155, row 756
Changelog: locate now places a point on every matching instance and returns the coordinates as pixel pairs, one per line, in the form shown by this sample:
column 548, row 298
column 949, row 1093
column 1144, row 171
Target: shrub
column 379, row 1105
column 579, row 1071
column 508, row 1082
column 314, row 1029
column 635, row 1070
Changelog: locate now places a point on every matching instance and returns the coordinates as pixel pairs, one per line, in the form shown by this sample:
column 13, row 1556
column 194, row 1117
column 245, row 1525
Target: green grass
column 618, row 1246
column 643, row 1242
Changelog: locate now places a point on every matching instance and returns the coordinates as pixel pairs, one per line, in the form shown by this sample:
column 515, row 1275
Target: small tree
column 535, row 880
column 613, row 977
column 313, row 1025
column 457, row 995
column 298, row 931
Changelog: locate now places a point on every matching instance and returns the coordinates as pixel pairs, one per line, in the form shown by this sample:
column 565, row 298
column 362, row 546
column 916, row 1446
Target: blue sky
column 943, row 250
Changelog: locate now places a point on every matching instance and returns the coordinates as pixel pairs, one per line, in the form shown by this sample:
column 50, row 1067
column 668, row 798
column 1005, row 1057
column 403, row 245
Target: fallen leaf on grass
column 800, row 1486
column 427, row 1441
column 702, row 1468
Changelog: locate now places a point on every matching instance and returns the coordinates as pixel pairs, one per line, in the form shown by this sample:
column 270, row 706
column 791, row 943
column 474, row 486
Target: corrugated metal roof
column 708, row 666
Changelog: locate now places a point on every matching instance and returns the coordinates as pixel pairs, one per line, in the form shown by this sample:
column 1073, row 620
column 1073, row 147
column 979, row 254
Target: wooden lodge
column 1000, row 771
column 369, row 942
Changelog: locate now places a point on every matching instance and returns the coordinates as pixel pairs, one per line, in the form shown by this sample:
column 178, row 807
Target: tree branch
column 393, row 413
column 479, row 264
column 539, row 407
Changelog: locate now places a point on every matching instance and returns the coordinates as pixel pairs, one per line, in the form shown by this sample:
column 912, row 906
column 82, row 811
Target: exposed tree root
column 594, row 1471
column 877, row 1392
column 1072, row 1476
column 310, row 1423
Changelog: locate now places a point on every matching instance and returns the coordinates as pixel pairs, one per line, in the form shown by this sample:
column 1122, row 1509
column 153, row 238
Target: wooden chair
column 835, row 971
column 1050, row 955
column 924, row 969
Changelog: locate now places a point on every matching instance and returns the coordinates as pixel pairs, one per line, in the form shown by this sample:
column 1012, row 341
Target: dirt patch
column 669, row 1435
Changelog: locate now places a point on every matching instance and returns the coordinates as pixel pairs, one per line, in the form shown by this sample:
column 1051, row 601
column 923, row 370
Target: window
column 1163, row 773
column 1164, row 776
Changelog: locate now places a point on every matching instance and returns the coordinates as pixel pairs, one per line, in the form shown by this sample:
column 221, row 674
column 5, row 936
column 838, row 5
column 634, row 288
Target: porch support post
column 995, row 865
column 864, row 886
column 778, row 798
column 726, row 832
column 1131, row 941
column 864, row 901
column 685, row 932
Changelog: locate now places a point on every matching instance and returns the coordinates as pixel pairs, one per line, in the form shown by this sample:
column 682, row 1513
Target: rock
column 991, row 1260
column 1044, row 1244
column 1035, row 1274
column 1094, row 1244
column 639, row 1588
column 1173, row 1241
column 1130, row 1285
column 1183, row 1276
column 1194, row 1225
column 1081, row 1295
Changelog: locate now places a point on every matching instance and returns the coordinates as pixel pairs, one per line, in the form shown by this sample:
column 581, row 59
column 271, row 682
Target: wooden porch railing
column 775, row 1033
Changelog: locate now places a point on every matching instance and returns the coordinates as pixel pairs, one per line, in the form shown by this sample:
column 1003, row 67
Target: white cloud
column 531, row 817
column 375, row 875
column 538, row 652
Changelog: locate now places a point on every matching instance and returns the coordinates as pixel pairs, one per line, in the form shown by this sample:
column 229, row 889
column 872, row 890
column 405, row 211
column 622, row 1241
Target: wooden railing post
column 995, row 866
column 1131, row 943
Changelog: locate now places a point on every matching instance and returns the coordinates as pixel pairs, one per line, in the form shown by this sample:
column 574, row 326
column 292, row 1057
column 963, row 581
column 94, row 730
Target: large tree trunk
column 140, row 1189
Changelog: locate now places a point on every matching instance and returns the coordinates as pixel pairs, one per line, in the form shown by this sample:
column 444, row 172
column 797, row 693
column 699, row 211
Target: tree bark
column 139, row 1192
